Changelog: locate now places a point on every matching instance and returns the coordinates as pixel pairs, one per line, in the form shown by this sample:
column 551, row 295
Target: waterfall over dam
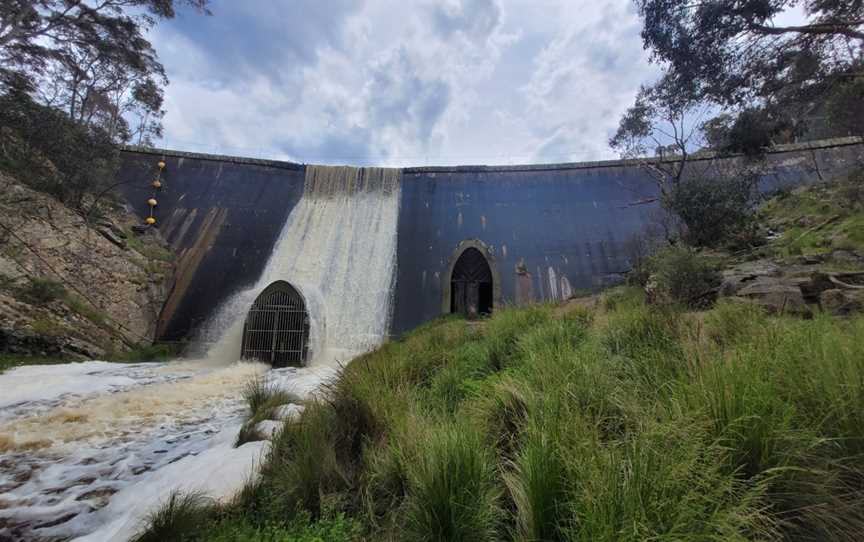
column 544, row 232
column 338, row 249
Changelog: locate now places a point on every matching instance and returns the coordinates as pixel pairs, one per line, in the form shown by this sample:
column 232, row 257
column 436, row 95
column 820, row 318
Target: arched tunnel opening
column 276, row 330
column 471, row 289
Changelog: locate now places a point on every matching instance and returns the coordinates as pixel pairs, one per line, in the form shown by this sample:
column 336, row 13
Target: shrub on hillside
column 41, row 291
column 681, row 275
column 44, row 149
column 716, row 210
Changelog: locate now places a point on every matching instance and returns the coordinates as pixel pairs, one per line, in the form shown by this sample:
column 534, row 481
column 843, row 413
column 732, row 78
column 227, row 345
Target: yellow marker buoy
column 150, row 220
column 157, row 184
column 152, row 202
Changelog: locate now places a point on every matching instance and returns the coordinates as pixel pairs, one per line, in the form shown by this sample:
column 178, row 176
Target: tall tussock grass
column 263, row 398
column 452, row 492
column 621, row 422
column 181, row 515
column 537, row 485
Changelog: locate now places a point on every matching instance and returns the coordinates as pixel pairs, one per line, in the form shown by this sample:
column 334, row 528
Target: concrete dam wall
column 545, row 231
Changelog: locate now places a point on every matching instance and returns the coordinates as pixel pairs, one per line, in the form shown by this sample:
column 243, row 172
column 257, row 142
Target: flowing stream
column 88, row 449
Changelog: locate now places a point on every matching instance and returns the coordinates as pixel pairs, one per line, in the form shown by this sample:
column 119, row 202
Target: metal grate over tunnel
column 471, row 289
column 276, row 330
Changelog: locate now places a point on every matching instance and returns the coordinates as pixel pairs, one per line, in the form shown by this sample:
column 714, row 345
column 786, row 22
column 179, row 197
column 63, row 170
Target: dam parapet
column 545, row 230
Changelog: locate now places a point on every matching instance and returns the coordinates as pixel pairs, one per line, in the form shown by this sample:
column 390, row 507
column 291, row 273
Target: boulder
column 268, row 428
column 741, row 275
column 813, row 285
column 288, row 413
column 839, row 302
column 846, row 257
column 776, row 297
column 810, row 259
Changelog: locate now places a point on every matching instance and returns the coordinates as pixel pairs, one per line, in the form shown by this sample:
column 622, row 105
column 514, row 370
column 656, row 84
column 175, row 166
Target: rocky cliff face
column 75, row 287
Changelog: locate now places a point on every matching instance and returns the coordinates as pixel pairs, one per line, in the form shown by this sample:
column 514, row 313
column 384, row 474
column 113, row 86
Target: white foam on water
column 216, row 472
column 89, row 449
column 35, row 383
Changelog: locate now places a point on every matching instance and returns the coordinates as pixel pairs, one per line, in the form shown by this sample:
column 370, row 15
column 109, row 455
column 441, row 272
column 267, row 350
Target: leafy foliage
column 43, row 148
column 731, row 50
column 716, row 209
column 782, row 82
column 89, row 59
column 42, row 291
column 681, row 275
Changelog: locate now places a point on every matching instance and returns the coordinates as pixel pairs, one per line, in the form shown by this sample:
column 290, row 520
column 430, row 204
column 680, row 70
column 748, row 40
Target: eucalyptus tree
column 89, row 58
column 739, row 54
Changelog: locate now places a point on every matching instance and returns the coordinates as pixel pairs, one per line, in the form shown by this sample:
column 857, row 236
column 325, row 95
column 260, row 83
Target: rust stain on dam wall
column 546, row 230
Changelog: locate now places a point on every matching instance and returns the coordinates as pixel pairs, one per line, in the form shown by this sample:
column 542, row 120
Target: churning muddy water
column 88, row 449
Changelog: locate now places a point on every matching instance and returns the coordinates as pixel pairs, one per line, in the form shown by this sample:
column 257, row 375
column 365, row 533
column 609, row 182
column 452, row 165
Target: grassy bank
column 619, row 422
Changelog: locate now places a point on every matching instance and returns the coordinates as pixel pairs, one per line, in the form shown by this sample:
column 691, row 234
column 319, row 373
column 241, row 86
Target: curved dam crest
column 546, row 230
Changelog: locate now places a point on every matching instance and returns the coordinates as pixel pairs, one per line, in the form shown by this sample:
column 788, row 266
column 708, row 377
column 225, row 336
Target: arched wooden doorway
column 471, row 285
column 277, row 327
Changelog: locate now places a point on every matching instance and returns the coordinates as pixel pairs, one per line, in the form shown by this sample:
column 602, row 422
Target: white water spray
column 89, row 449
column 338, row 248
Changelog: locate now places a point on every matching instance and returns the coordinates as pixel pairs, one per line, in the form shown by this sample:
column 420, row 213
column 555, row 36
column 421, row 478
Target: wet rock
column 839, row 302
column 288, row 413
column 776, row 297
column 268, row 428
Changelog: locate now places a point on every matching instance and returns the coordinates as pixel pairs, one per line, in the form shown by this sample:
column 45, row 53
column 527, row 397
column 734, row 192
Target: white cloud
column 471, row 81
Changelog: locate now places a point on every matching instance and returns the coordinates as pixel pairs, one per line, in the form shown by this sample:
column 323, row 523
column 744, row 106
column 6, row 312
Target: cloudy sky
column 409, row 82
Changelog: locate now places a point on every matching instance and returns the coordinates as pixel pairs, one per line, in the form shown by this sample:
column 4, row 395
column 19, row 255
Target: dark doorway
column 471, row 284
column 277, row 327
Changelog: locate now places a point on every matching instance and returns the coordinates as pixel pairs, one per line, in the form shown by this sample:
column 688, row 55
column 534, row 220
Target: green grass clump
column 537, row 484
column 337, row 529
column 85, row 309
column 41, row 291
column 149, row 249
column 180, row 515
column 48, row 327
column 621, row 422
column 10, row 361
column 263, row 398
column 818, row 219
column 452, row 493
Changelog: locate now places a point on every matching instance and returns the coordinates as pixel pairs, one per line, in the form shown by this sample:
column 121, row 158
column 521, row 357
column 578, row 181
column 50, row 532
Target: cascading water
column 338, row 248
column 88, row 449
